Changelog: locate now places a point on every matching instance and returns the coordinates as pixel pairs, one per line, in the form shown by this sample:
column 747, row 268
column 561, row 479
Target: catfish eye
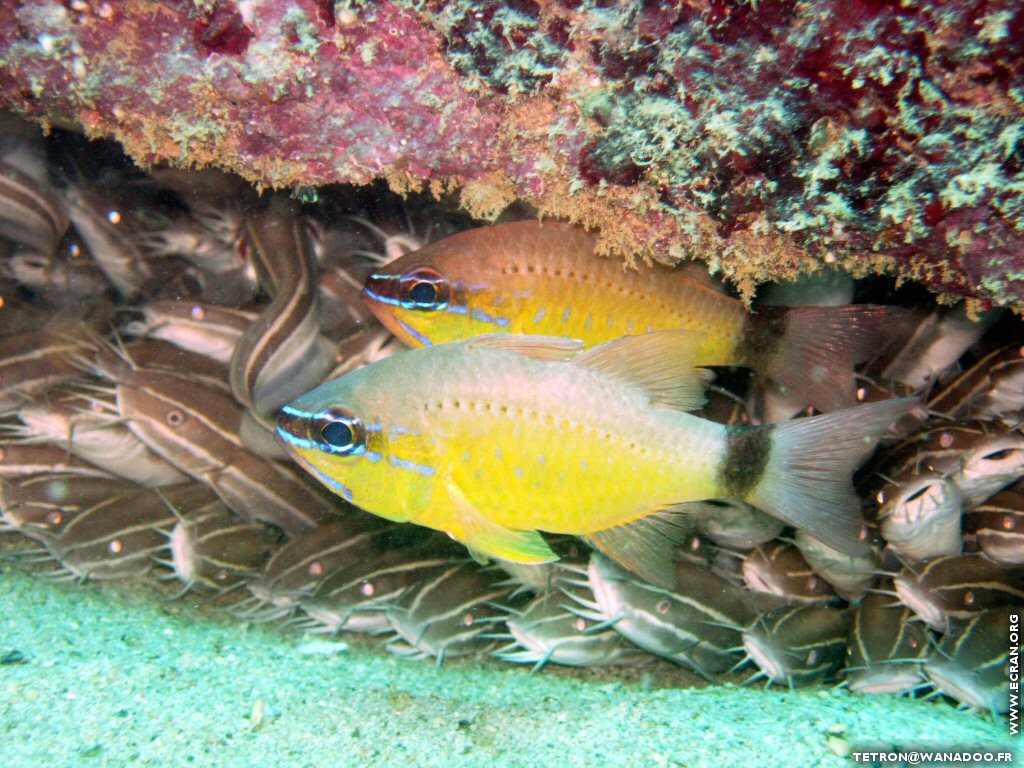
column 339, row 432
column 424, row 288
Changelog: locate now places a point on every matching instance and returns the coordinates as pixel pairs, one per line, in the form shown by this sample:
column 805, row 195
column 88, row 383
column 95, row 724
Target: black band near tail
column 762, row 334
column 747, row 450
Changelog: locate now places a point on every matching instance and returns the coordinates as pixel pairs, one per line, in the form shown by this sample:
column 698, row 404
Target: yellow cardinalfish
column 531, row 277
column 495, row 438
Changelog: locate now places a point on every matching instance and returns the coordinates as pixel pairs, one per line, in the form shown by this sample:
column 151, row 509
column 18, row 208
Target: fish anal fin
column 538, row 347
column 661, row 363
column 486, row 538
column 645, row 545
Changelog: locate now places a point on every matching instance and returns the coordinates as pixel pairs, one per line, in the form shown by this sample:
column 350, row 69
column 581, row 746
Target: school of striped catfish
column 477, row 438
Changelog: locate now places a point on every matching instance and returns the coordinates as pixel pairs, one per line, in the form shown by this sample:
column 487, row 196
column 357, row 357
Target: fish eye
column 423, row 292
column 339, row 432
column 424, row 288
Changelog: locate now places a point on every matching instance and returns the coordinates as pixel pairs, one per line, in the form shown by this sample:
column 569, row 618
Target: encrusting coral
column 765, row 137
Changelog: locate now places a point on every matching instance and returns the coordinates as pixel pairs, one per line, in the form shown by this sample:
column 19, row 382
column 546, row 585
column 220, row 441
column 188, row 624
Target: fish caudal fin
column 811, row 351
column 807, row 466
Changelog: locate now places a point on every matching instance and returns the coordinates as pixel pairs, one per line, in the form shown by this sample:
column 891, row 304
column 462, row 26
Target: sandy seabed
column 96, row 676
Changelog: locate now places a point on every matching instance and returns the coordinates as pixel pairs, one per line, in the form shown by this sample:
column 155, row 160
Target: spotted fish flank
column 567, row 439
column 546, row 278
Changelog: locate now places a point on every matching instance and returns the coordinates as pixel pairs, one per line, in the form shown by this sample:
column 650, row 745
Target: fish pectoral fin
column 660, row 363
column 484, row 537
column 645, row 545
column 538, row 347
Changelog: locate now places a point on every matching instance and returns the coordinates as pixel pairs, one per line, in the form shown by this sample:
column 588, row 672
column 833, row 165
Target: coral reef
column 765, row 137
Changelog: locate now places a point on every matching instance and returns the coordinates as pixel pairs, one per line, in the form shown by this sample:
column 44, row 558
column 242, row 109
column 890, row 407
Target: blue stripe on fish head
column 419, row 305
column 380, row 466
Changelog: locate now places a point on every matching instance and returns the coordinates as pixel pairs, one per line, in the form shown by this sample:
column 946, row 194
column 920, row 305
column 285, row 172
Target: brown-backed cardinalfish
column 496, row 438
column 532, row 277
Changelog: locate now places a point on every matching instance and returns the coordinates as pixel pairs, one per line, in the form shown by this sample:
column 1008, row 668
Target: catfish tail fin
column 806, row 478
column 819, row 346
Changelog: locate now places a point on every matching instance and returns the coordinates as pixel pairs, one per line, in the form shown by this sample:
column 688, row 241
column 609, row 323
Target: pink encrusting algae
column 765, row 138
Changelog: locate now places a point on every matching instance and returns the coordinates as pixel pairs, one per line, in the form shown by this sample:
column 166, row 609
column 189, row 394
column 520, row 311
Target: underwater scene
column 515, row 383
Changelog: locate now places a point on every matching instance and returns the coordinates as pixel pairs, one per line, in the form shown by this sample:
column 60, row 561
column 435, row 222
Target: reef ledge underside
column 765, row 138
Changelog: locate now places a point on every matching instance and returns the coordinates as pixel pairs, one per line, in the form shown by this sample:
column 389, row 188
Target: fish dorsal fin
column 697, row 272
column 660, row 363
column 538, row 347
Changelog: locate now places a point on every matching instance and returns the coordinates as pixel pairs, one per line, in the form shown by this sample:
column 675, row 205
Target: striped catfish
column 850, row 575
column 213, row 550
column 781, row 569
column 36, row 361
column 798, row 645
column 118, row 538
column 104, row 231
column 206, row 329
column 296, row 569
column 979, row 457
column 696, row 623
column 551, row 629
column 64, row 279
column 887, row 648
column 92, row 436
column 949, row 589
column 973, row 663
column 282, row 353
column 30, row 214
column 20, row 459
column 450, row 614
column 40, row 506
column 355, row 595
column 990, row 388
column 194, row 427
column 998, row 526
column 920, row 515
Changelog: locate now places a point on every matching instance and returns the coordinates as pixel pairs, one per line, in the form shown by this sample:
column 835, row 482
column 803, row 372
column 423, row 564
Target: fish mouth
column 766, row 658
column 886, row 678
column 960, row 684
column 914, row 598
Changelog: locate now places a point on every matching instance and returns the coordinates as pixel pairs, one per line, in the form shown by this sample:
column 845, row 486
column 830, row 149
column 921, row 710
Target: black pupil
column 339, row 434
column 423, row 293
